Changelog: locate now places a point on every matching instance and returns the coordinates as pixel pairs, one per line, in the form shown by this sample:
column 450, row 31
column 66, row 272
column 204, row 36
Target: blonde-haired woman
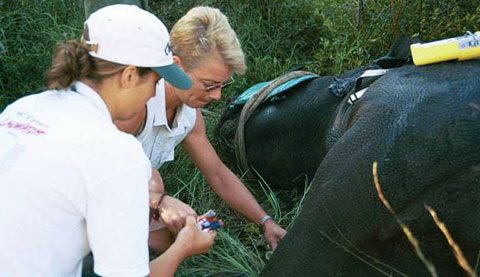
column 68, row 176
column 207, row 49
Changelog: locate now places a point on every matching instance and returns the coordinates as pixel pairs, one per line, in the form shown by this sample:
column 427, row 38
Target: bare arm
column 225, row 183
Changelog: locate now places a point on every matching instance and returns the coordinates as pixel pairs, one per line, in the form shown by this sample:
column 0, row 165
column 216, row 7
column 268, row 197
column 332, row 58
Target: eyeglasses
column 224, row 85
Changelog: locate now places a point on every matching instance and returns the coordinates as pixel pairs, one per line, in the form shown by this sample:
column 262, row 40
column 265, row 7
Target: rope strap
column 249, row 108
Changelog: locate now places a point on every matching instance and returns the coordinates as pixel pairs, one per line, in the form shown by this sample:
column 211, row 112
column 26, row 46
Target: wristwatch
column 265, row 219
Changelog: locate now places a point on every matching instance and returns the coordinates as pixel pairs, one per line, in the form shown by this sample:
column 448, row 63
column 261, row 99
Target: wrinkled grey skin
column 422, row 126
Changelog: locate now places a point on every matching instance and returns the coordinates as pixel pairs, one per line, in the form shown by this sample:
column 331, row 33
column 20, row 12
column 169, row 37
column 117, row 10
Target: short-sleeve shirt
column 158, row 139
column 70, row 181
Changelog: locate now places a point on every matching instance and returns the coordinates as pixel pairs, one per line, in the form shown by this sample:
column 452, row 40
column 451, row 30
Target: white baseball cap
column 126, row 34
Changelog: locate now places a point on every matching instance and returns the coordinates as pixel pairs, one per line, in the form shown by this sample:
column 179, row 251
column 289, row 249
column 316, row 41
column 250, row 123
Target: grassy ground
column 323, row 36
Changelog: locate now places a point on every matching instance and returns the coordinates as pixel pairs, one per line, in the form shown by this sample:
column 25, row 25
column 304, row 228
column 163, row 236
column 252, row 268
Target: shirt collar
column 158, row 107
column 93, row 97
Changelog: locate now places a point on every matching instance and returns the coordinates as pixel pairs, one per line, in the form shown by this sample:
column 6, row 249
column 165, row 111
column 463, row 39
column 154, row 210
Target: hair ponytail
column 70, row 62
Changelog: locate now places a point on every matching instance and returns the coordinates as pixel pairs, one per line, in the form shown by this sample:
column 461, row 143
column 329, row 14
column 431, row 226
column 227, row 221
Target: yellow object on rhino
column 458, row 48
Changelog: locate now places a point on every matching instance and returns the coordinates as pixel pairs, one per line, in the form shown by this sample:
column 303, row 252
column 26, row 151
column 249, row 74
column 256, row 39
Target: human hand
column 174, row 212
column 273, row 233
column 193, row 240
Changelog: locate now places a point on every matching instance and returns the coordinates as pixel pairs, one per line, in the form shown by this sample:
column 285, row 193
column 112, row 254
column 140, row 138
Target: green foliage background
column 323, row 36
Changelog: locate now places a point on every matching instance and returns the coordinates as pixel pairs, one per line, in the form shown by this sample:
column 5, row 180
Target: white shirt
column 158, row 139
column 69, row 180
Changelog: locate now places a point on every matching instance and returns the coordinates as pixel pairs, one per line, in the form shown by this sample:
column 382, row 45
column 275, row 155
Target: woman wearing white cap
column 70, row 181
column 207, row 49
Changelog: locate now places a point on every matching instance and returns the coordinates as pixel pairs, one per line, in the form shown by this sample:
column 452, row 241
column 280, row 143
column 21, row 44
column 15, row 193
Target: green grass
column 239, row 249
column 321, row 35
column 29, row 31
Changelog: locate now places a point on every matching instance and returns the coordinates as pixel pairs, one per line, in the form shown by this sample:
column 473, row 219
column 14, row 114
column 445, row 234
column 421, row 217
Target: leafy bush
column 351, row 45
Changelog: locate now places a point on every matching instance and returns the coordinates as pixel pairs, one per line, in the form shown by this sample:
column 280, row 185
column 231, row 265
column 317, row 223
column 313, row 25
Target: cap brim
column 174, row 75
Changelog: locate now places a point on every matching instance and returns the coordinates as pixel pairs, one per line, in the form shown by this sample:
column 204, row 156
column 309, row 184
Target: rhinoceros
column 421, row 125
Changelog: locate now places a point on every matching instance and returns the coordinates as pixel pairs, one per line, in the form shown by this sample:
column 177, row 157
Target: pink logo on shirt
column 22, row 127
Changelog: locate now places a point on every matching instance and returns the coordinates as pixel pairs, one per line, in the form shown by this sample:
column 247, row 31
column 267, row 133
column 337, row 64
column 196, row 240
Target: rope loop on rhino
column 247, row 110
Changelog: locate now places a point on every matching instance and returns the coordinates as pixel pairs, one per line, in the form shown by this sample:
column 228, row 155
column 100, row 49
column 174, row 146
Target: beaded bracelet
column 154, row 210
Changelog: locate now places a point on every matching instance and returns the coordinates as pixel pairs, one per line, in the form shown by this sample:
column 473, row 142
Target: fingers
column 191, row 212
column 206, row 241
column 178, row 221
column 175, row 223
column 200, row 241
column 273, row 234
column 174, row 212
column 190, row 220
column 273, row 245
column 172, row 219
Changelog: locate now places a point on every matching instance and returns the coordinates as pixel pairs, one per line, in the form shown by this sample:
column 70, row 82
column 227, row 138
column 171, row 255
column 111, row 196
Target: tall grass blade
column 405, row 229
column 456, row 249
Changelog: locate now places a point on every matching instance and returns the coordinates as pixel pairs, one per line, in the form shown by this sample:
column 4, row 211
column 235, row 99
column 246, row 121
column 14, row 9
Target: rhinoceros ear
column 398, row 55
column 400, row 48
